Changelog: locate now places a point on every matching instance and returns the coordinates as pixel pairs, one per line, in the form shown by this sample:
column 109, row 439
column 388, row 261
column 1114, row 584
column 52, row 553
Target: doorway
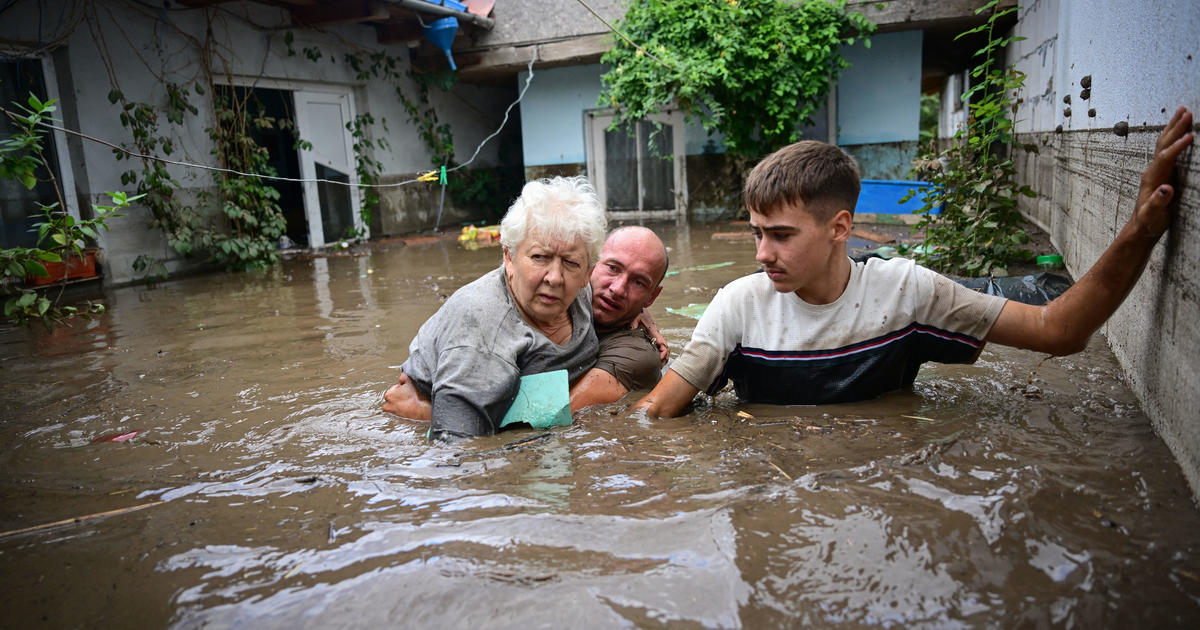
column 280, row 142
column 316, row 148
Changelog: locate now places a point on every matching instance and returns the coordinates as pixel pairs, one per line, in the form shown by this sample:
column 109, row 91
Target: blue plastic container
column 882, row 196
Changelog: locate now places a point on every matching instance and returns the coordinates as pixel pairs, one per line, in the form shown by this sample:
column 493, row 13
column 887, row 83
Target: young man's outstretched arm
column 1064, row 325
column 669, row 398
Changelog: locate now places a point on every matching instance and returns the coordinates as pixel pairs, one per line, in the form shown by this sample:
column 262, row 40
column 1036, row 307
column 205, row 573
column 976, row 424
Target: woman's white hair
column 558, row 209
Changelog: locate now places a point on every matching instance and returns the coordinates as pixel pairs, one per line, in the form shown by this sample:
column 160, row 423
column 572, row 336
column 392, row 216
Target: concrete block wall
column 1091, row 65
column 1088, row 185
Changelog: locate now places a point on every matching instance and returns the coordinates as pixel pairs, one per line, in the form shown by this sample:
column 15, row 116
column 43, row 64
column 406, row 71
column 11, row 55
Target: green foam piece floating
column 701, row 267
column 543, row 401
column 691, row 310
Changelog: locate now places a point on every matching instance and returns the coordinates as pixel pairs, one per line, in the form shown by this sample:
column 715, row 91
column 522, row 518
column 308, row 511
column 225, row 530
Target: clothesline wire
column 219, row 169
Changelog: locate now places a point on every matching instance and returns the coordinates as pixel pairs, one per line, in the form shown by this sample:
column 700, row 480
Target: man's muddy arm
column 597, row 387
column 1064, row 325
column 644, row 320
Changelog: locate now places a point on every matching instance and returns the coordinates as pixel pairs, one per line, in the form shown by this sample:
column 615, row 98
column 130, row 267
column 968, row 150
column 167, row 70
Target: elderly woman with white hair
column 533, row 315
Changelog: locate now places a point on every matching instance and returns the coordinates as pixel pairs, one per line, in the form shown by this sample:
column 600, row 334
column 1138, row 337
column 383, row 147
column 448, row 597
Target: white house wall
column 248, row 45
column 552, row 113
column 1143, row 60
column 879, row 103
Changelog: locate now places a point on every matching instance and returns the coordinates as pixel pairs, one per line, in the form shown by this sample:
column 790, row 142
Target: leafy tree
column 753, row 70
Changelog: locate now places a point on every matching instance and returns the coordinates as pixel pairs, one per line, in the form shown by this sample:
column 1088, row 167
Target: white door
column 331, row 205
column 638, row 168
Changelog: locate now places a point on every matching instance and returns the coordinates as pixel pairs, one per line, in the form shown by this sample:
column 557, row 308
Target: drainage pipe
column 437, row 9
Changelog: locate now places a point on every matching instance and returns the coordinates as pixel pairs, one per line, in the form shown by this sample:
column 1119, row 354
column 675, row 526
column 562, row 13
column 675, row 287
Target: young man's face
column 794, row 249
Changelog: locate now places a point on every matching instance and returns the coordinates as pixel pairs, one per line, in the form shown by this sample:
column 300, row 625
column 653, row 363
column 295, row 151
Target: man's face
column 626, row 278
column 793, row 248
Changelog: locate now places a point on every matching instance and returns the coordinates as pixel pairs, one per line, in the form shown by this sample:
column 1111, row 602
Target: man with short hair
column 818, row 327
column 625, row 280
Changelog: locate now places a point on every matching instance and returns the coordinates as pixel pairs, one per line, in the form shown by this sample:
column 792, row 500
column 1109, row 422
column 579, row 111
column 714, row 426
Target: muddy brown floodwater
column 999, row 494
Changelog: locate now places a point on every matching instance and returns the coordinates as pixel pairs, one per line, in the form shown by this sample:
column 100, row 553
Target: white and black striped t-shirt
column 776, row 348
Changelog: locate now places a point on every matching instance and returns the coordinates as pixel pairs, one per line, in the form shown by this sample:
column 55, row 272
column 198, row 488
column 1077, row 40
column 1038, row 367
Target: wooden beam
column 395, row 32
column 344, row 12
column 508, row 60
column 904, row 15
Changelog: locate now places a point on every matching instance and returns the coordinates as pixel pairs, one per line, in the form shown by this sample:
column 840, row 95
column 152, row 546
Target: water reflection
column 971, row 500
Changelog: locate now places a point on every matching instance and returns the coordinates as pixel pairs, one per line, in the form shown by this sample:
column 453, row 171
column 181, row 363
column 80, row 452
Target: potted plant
column 62, row 239
column 67, row 239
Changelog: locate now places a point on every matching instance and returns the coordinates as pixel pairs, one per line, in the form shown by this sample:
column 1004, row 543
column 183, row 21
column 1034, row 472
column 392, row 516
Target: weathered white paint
column 139, row 52
column 1144, row 61
column 1142, row 58
column 552, row 113
column 879, row 95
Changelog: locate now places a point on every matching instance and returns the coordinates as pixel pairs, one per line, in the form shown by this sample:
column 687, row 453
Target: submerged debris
column 117, row 437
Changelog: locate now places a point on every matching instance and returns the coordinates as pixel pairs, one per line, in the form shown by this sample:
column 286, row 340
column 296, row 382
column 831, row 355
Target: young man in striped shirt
column 818, row 328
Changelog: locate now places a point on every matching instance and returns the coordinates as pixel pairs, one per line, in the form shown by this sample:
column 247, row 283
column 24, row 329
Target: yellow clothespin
column 431, row 176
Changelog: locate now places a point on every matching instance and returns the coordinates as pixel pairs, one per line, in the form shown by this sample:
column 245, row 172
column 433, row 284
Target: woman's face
column 545, row 277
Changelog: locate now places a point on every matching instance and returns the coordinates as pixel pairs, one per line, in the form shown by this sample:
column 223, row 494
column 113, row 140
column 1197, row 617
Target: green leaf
column 35, row 268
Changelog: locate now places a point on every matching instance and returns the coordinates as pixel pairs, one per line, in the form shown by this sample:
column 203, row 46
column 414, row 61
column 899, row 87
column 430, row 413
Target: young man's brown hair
column 821, row 176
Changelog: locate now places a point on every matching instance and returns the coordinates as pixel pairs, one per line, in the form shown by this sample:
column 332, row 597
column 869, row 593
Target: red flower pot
column 72, row 267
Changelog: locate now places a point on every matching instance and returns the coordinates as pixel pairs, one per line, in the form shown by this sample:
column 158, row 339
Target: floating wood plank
column 733, row 236
column 874, row 237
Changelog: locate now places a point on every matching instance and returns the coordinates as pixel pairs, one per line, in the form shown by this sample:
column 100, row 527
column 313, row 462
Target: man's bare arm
column 669, row 398
column 1064, row 325
column 644, row 320
column 597, row 387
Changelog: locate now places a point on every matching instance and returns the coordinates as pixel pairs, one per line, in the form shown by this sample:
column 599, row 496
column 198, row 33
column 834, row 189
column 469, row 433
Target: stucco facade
column 1139, row 61
column 102, row 46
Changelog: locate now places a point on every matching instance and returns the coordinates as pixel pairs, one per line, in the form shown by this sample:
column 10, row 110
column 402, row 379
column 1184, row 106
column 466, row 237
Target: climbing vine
column 249, row 204
column 470, row 186
column 752, row 70
column 974, row 182
column 366, row 167
column 180, row 222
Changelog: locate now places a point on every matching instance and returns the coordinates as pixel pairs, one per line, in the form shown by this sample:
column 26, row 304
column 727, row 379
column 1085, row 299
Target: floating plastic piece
column 886, row 252
column 117, row 437
column 543, row 401
column 691, row 310
column 701, row 267
column 1036, row 289
column 484, row 233
column 1050, row 262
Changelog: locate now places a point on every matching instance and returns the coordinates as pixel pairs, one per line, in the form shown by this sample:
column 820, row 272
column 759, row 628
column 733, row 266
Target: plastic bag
column 1036, row 289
